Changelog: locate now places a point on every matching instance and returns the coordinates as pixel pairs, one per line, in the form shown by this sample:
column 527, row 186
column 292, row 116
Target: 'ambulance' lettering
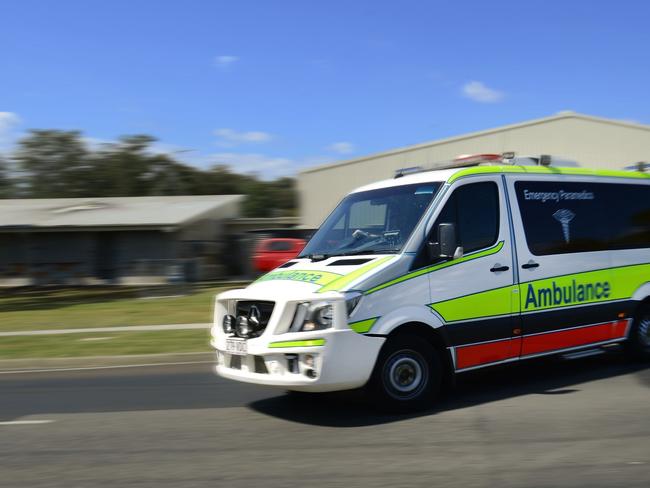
column 555, row 295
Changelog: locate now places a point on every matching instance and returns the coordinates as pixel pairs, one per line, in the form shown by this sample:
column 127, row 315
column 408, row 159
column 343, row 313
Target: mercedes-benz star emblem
column 254, row 316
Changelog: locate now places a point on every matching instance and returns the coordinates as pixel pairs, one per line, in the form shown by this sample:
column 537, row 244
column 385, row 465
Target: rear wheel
column 639, row 340
column 407, row 375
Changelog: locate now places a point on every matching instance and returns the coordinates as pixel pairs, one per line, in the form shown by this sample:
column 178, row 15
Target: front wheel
column 639, row 339
column 407, row 375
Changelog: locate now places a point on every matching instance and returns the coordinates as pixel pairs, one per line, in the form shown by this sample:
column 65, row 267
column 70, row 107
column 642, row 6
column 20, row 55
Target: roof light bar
column 641, row 166
column 509, row 157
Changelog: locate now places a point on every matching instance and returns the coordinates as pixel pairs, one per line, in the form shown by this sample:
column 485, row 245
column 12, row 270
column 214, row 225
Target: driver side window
column 474, row 211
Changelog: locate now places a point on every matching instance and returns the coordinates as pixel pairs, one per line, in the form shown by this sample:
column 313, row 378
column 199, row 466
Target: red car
column 271, row 253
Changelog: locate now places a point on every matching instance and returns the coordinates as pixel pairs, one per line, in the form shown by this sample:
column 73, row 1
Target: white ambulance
column 433, row 273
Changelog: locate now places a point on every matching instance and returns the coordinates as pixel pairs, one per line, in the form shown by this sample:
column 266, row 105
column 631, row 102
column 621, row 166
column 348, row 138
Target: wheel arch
column 642, row 294
column 435, row 337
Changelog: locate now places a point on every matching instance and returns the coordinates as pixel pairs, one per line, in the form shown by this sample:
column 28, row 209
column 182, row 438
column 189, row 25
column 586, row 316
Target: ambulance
column 493, row 259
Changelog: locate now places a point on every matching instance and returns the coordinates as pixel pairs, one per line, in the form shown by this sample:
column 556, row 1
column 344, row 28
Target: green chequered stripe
column 546, row 170
column 306, row 343
column 363, row 326
column 321, row 278
column 468, row 257
column 344, row 281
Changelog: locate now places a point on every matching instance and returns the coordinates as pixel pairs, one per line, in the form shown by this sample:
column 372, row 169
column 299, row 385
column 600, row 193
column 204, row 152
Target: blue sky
column 274, row 86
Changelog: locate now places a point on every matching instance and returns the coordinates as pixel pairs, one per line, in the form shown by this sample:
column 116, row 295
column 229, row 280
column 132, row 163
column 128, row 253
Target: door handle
column 498, row 268
column 530, row 264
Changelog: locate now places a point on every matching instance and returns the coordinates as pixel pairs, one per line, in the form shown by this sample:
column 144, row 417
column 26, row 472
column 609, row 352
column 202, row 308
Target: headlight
column 228, row 324
column 312, row 316
column 352, row 299
column 242, row 327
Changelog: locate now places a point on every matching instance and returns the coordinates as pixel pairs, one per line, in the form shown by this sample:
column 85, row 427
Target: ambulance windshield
column 372, row 222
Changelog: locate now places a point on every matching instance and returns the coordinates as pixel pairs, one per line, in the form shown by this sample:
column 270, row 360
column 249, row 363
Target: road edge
column 36, row 364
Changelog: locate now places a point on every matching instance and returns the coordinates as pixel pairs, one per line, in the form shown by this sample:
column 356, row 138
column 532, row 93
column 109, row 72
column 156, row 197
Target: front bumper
column 344, row 360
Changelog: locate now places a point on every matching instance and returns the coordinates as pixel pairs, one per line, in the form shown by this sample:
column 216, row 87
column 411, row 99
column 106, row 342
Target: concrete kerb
column 92, row 330
column 101, row 362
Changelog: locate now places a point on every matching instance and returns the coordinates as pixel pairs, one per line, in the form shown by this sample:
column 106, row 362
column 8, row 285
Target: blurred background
column 153, row 154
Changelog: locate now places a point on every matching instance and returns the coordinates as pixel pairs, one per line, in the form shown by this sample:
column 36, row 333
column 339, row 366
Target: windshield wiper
column 316, row 257
column 368, row 251
column 356, row 253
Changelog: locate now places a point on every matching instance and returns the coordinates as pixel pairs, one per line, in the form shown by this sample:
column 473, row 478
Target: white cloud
column 225, row 62
column 266, row 166
column 342, row 147
column 231, row 138
column 8, row 123
column 479, row 92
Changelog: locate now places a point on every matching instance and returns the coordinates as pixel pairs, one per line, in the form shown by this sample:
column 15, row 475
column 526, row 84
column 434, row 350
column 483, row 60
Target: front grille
column 260, row 365
column 235, row 362
column 254, row 309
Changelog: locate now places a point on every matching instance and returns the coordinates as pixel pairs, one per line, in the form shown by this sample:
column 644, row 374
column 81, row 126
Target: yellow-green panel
column 306, row 343
column 468, row 257
column 345, row 280
column 483, row 304
column 547, row 170
column 363, row 326
column 583, row 288
column 556, row 292
column 321, row 278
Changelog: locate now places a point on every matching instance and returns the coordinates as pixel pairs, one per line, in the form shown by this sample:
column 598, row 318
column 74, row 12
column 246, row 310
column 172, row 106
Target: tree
column 124, row 168
column 6, row 182
column 55, row 163
column 58, row 163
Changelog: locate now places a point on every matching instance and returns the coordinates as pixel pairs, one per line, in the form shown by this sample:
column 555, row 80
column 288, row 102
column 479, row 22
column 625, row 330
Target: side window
column 629, row 219
column 280, row 246
column 562, row 217
column 474, row 209
column 477, row 215
column 570, row 217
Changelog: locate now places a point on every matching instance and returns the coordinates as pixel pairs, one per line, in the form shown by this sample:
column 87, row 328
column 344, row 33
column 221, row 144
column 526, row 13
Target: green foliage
column 56, row 163
column 6, row 183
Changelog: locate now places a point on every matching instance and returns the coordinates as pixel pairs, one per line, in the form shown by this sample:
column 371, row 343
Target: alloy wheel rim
column 405, row 375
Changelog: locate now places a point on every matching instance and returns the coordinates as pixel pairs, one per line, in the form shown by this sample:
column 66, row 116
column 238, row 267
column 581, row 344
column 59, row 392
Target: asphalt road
column 549, row 424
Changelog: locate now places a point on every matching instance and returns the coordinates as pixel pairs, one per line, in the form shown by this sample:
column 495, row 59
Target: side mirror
column 447, row 246
column 447, row 240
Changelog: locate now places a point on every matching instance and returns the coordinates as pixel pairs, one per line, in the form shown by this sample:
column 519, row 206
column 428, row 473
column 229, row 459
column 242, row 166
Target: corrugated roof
column 109, row 212
column 561, row 115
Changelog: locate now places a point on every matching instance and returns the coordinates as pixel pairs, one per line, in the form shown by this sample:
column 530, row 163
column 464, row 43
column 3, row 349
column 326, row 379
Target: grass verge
column 105, row 307
column 101, row 344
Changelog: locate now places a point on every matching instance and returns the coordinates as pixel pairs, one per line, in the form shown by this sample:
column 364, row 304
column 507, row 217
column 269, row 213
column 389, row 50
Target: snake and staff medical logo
column 564, row 217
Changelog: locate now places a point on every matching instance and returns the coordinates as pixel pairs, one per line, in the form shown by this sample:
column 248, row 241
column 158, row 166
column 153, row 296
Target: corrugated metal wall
column 589, row 141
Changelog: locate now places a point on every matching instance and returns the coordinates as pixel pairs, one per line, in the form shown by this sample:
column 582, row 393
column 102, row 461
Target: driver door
column 475, row 294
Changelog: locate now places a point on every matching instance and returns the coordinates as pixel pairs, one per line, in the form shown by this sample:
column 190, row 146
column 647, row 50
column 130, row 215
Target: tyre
column 639, row 340
column 407, row 375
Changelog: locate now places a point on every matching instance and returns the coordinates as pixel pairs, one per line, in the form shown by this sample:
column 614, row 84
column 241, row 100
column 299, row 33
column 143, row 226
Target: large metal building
column 589, row 141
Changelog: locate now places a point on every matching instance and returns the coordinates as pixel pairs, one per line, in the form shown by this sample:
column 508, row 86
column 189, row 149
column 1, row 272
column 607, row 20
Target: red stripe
column 565, row 339
column 491, row 352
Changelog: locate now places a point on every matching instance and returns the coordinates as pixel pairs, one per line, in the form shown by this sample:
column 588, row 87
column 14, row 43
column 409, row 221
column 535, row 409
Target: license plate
column 238, row 347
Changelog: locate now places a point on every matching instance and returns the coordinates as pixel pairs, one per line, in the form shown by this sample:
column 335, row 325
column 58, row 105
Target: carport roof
column 112, row 212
